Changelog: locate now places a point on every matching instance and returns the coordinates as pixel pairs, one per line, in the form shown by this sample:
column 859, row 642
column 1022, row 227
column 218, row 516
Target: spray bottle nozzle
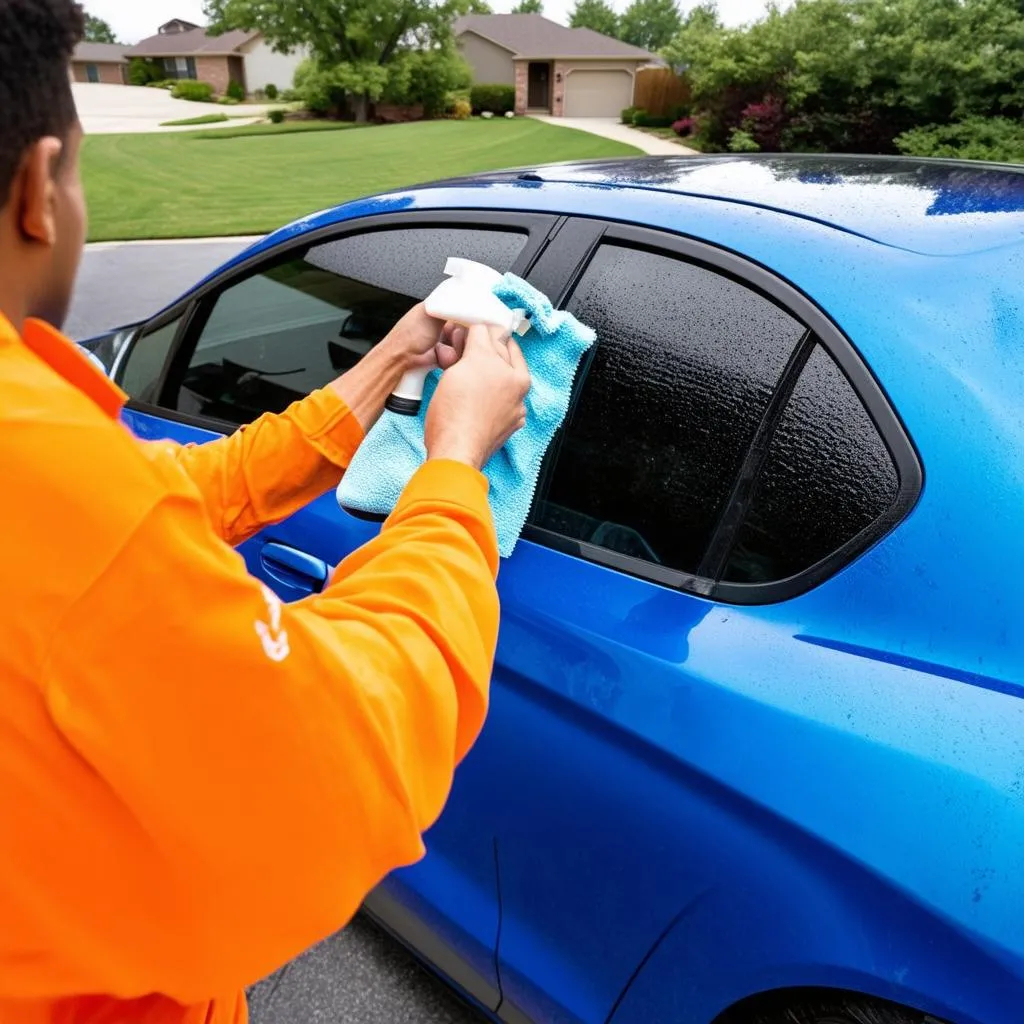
column 466, row 297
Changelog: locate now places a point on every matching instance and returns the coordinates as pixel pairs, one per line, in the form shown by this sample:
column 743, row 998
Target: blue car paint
column 694, row 803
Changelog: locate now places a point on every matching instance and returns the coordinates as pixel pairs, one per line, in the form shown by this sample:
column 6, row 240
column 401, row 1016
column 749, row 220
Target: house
column 99, row 62
column 186, row 50
column 565, row 72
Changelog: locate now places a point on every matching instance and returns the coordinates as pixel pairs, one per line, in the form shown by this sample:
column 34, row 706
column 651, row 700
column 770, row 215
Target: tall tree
column 529, row 7
column 357, row 47
column 595, row 14
column 98, row 31
column 650, row 23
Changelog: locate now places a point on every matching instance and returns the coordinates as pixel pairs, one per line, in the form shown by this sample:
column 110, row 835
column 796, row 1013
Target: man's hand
column 478, row 405
column 417, row 340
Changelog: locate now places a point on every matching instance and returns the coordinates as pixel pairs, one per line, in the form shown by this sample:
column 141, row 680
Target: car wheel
column 830, row 1011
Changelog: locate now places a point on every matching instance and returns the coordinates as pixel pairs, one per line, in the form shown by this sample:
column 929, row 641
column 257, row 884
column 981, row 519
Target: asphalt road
column 360, row 975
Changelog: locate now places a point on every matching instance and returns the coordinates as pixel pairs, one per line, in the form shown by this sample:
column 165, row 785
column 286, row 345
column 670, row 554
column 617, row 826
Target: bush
column 198, row 92
column 461, row 110
column 270, row 91
column 228, row 101
column 289, row 96
column 742, row 142
column 142, row 72
column 235, row 91
column 498, row 99
column 976, row 138
column 276, row 116
column 627, row 115
column 641, row 119
column 685, row 126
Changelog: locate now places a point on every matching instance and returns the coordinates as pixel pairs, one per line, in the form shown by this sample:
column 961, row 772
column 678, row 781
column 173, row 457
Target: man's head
column 42, row 210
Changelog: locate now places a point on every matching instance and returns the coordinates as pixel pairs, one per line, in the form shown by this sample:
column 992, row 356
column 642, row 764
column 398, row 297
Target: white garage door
column 598, row 93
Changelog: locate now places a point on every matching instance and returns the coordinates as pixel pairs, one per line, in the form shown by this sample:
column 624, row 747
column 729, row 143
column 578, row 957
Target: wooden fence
column 659, row 91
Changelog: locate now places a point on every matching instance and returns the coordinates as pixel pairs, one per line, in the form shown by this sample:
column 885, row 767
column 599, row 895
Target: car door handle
column 293, row 567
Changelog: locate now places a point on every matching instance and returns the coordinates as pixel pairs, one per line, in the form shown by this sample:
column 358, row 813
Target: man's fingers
column 516, row 358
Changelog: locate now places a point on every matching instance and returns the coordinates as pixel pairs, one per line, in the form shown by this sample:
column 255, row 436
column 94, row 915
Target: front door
column 539, row 86
column 266, row 334
column 92, row 72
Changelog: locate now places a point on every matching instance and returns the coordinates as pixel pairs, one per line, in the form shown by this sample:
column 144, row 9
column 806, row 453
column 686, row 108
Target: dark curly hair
column 37, row 38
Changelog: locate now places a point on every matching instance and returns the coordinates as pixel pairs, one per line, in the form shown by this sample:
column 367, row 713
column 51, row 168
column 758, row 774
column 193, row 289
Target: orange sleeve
column 255, row 769
column 271, row 467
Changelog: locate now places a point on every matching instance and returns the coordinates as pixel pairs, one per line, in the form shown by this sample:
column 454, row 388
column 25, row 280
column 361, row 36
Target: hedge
column 498, row 99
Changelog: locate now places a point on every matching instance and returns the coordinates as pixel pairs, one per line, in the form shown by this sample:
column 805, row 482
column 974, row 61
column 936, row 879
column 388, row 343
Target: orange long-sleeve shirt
column 196, row 782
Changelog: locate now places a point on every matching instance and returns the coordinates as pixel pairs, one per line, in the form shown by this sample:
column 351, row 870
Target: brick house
column 186, row 50
column 565, row 72
column 99, row 62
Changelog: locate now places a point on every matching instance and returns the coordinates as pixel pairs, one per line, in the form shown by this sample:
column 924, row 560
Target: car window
column 828, row 475
column 144, row 362
column 685, row 365
column 294, row 326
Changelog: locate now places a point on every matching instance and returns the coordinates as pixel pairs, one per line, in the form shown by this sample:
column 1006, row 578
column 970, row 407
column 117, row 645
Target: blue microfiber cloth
column 393, row 450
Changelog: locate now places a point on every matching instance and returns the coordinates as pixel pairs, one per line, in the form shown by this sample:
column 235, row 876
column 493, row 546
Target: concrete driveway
column 114, row 109
column 612, row 128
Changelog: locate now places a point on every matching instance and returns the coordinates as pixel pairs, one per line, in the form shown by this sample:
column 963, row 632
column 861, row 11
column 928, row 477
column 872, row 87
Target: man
column 197, row 783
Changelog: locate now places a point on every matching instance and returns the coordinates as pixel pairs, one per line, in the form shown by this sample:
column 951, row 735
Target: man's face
column 66, row 212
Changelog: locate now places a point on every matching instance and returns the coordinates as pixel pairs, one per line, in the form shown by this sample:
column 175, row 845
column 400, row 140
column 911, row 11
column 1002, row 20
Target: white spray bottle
column 466, row 297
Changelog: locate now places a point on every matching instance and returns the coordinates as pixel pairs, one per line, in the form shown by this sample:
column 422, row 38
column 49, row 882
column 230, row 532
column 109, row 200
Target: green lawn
column 183, row 185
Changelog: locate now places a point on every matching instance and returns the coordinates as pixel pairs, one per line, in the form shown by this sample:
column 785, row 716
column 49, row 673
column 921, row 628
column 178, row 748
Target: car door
column 267, row 333
column 716, row 456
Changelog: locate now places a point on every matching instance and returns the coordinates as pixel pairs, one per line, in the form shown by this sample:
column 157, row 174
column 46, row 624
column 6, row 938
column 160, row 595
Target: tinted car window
column 293, row 327
column 684, row 367
column 828, row 475
column 144, row 362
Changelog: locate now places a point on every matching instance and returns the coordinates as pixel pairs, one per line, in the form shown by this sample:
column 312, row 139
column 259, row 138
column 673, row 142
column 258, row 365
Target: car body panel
column 676, row 803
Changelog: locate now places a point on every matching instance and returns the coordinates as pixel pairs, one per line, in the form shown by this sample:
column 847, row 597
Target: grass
column 202, row 119
column 284, row 128
column 177, row 185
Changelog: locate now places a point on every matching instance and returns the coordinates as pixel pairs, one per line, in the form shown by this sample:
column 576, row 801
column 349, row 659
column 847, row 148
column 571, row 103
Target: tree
column 529, row 7
column 595, row 14
column 650, row 23
column 357, row 47
column 98, row 31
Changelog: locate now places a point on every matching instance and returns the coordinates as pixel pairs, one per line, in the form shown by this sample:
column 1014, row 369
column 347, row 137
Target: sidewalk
column 612, row 128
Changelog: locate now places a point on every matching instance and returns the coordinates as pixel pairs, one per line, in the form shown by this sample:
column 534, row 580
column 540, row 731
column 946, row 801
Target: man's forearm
column 272, row 467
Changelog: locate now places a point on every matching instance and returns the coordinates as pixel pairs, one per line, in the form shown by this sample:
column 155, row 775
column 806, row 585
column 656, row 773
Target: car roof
column 936, row 207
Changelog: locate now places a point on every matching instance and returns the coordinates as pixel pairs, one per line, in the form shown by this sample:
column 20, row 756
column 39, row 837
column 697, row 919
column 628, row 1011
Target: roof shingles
column 534, row 36
column 194, row 43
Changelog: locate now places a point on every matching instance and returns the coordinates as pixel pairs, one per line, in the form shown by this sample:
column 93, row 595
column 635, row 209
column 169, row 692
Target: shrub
column 142, row 72
column 276, row 116
column 741, row 141
column 461, row 110
column 198, row 92
column 271, row 91
column 685, row 126
column 289, row 96
column 235, row 90
column 228, row 101
column 641, row 119
column 627, row 115
column 975, row 138
column 496, row 98
column 764, row 122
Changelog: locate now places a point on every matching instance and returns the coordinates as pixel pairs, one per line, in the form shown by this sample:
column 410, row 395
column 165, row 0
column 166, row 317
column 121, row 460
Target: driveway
column 612, row 128
column 360, row 975
column 113, row 109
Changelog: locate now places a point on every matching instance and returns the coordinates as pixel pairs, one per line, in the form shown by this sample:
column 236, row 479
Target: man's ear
column 36, row 216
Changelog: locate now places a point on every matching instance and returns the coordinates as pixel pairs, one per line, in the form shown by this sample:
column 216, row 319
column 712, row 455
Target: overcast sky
column 133, row 20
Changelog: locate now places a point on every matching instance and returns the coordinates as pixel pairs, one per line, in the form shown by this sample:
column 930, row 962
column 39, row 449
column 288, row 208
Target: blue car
column 755, row 753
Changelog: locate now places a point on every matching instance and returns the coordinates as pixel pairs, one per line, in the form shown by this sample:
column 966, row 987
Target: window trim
column 822, row 330
column 194, row 307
